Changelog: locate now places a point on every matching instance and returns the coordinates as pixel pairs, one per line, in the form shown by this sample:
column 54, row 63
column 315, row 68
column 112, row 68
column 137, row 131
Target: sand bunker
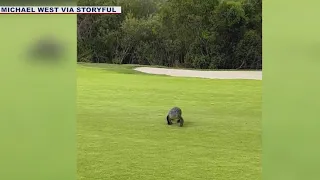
column 256, row 75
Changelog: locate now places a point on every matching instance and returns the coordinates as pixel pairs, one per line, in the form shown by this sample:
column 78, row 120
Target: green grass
column 122, row 131
column 129, row 67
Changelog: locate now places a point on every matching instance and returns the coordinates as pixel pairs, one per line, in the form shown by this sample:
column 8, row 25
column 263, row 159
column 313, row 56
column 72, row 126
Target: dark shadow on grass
column 186, row 124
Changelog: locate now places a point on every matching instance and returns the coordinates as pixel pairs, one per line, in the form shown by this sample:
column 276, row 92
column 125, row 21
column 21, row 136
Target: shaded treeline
column 206, row 34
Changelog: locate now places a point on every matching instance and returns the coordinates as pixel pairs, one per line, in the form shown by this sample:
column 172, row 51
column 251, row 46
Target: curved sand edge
column 256, row 75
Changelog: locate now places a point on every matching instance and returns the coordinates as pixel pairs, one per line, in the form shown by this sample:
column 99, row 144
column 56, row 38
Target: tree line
column 204, row 34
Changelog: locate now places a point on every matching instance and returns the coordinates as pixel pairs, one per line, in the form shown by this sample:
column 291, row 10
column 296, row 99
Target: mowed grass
column 123, row 135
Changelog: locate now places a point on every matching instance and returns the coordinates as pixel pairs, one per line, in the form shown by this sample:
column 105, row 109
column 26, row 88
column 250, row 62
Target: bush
column 184, row 33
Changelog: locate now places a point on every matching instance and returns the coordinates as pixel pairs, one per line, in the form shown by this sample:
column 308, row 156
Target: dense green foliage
column 205, row 34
